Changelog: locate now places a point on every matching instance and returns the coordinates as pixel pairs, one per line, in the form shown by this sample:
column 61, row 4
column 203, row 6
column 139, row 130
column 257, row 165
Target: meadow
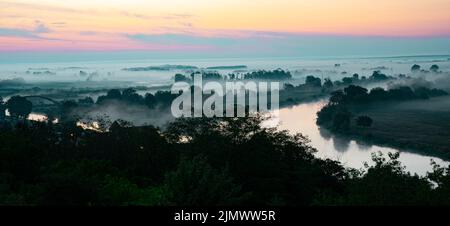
column 420, row 125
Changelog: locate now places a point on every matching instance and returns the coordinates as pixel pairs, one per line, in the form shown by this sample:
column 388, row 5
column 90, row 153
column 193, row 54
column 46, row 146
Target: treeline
column 20, row 107
column 314, row 87
column 163, row 99
column 130, row 96
column 328, row 85
column 359, row 95
column 417, row 68
column 277, row 74
column 337, row 116
column 195, row 162
column 160, row 99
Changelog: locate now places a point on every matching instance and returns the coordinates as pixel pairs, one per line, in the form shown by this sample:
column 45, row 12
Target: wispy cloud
column 41, row 7
column 41, row 27
column 59, row 24
column 169, row 16
column 177, row 16
column 295, row 44
column 89, row 33
column 180, row 39
column 21, row 33
column 35, row 33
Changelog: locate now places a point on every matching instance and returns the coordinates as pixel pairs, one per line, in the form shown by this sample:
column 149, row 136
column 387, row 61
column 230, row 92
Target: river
column 301, row 119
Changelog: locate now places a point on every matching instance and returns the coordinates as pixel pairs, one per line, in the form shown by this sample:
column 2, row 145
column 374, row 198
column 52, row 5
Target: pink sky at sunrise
column 91, row 25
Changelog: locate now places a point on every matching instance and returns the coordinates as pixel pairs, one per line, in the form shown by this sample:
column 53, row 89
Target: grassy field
column 422, row 125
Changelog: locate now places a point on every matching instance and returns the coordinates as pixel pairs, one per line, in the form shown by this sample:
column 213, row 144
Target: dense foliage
column 278, row 74
column 337, row 116
column 195, row 161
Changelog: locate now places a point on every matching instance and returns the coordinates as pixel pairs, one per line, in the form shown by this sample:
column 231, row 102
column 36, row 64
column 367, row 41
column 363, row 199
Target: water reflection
column 341, row 145
column 301, row 119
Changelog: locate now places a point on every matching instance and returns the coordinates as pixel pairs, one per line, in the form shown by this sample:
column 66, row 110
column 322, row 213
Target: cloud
column 41, row 27
column 59, row 24
column 187, row 34
column 295, row 44
column 36, row 33
column 89, row 33
column 136, row 15
column 179, row 16
column 181, row 39
column 169, row 16
column 21, row 33
column 186, row 24
column 42, row 7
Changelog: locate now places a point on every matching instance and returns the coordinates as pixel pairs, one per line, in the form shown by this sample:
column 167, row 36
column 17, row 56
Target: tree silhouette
column 2, row 108
column 328, row 84
column 415, row 68
column 19, row 106
column 434, row 68
column 313, row 81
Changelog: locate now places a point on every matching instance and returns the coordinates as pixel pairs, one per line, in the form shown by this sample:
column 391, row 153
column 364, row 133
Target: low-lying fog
column 66, row 81
column 112, row 73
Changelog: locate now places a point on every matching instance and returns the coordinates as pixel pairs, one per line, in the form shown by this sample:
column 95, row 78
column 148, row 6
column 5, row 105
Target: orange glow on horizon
column 55, row 24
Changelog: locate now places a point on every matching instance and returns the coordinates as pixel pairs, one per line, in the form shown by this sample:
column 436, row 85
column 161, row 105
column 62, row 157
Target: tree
column 326, row 114
column 129, row 95
column 347, row 80
column 288, row 86
column 67, row 108
column 278, row 74
column 165, row 98
column 402, row 93
column 149, row 100
column 2, row 109
column 337, row 97
column 86, row 100
column 377, row 94
column 434, row 68
column 181, row 78
column 19, row 107
column 341, row 120
column 114, row 94
column 313, row 81
column 386, row 183
column 364, row 121
column 356, row 93
column 377, row 75
column 328, row 84
column 196, row 183
column 415, row 68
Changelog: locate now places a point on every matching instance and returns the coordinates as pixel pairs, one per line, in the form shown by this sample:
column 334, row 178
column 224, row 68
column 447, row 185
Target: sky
column 227, row 27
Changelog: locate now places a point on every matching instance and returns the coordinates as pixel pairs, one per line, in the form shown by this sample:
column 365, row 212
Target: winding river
column 301, row 119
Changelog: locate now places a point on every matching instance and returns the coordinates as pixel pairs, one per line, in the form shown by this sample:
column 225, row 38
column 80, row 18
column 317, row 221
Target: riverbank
column 421, row 126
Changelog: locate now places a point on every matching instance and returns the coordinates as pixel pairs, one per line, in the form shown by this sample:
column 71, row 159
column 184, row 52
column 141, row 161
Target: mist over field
column 134, row 114
column 194, row 104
